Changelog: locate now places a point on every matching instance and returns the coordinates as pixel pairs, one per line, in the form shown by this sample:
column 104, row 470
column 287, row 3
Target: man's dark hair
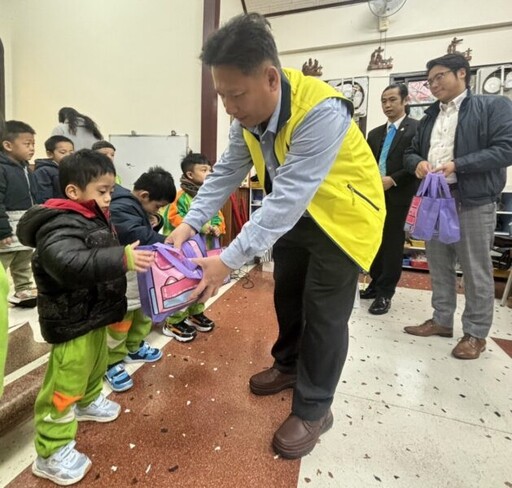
column 75, row 118
column 158, row 183
column 453, row 62
column 82, row 167
column 191, row 159
column 402, row 90
column 102, row 145
column 244, row 42
column 12, row 129
column 51, row 143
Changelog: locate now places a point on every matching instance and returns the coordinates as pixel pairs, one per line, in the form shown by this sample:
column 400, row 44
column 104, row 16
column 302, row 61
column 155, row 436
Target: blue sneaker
column 145, row 354
column 118, row 378
column 100, row 410
column 65, row 467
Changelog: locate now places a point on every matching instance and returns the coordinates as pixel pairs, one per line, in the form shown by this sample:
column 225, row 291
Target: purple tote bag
column 427, row 209
column 449, row 227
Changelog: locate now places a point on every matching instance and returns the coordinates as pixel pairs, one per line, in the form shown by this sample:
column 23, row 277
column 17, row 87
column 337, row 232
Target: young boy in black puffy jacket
column 79, row 267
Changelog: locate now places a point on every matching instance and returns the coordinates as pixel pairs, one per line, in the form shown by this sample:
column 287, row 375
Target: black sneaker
column 200, row 322
column 181, row 331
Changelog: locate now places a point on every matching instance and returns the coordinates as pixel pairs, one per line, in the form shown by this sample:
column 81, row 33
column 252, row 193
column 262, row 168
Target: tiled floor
column 407, row 414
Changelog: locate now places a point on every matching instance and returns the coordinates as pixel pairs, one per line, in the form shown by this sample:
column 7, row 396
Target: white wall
column 129, row 64
column 343, row 38
column 133, row 64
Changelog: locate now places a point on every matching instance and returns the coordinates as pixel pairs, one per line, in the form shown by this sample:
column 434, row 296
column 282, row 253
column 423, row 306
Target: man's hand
column 214, row 274
column 6, row 242
column 387, row 182
column 179, row 235
column 422, row 169
column 446, row 168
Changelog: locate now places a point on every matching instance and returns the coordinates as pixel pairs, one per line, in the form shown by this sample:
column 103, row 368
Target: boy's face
column 22, row 148
column 151, row 206
column 100, row 190
column 199, row 173
column 62, row 149
column 107, row 151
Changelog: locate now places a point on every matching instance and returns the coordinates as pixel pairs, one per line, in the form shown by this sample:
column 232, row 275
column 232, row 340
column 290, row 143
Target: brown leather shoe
column 271, row 381
column 296, row 437
column 429, row 328
column 469, row 347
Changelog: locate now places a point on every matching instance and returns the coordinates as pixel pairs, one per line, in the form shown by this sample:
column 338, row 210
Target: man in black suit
column 388, row 143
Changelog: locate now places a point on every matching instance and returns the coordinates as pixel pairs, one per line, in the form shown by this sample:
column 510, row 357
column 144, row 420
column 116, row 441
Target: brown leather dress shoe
column 469, row 347
column 296, row 437
column 429, row 328
column 271, row 381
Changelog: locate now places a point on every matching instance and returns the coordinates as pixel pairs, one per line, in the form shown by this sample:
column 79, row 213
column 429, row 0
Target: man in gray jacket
column 468, row 138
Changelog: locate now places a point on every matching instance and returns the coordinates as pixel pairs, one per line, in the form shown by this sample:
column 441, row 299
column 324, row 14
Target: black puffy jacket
column 78, row 267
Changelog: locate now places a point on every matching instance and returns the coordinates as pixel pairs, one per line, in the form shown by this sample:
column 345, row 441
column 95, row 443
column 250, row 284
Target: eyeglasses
column 436, row 79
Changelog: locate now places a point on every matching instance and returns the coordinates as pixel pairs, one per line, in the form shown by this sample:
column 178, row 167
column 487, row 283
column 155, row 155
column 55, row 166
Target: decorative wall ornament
column 452, row 49
column 312, row 68
column 377, row 61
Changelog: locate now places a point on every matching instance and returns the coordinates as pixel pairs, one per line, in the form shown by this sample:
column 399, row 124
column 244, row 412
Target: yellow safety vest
column 349, row 204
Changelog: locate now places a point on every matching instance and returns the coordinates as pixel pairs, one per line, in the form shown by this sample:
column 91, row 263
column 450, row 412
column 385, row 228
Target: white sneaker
column 65, row 467
column 100, row 410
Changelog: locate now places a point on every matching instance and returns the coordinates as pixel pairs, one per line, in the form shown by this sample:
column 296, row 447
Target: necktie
column 385, row 149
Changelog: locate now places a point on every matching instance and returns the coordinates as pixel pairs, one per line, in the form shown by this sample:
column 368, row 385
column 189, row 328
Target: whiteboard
column 135, row 154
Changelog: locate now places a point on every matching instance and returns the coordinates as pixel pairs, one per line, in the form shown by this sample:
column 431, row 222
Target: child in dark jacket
column 46, row 171
column 79, row 267
column 17, row 194
column 130, row 211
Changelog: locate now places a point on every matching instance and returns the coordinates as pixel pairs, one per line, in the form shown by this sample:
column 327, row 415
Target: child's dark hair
column 191, row 159
column 51, row 143
column 102, row 145
column 72, row 117
column 82, row 167
column 158, row 183
column 12, row 129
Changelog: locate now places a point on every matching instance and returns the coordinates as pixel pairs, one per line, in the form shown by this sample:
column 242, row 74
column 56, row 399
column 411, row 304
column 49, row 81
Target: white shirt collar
column 396, row 123
column 456, row 102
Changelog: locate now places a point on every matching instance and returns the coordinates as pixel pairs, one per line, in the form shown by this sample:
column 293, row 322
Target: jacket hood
column 37, row 216
column 39, row 163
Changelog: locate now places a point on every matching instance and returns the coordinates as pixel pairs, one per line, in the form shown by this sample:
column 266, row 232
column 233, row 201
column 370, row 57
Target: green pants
column 180, row 316
column 20, row 265
column 74, row 375
column 126, row 336
column 4, row 325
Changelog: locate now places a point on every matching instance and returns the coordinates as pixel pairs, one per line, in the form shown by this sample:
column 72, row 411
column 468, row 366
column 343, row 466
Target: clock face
column 353, row 91
column 492, row 85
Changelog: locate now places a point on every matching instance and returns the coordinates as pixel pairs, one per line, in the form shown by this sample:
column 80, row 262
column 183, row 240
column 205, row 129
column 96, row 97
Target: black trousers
column 315, row 286
column 386, row 268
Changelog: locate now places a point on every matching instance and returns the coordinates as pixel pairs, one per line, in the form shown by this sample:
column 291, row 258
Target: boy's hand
column 138, row 260
column 6, row 242
column 214, row 231
column 179, row 235
column 142, row 260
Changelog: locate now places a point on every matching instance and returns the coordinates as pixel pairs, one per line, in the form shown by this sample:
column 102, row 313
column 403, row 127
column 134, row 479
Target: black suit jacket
column 406, row 183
